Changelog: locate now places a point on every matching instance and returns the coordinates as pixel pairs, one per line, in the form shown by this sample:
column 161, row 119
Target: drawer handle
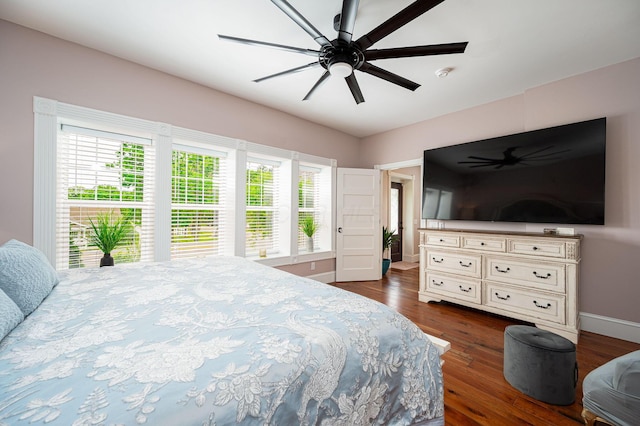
column 441, row 240
column 439, row 284
column 465, row 265
column 541, row 306
column 466, row 290
column 503, row 298
column 535, row 248
column 436, row 260
column 482, row 243
column 542, row 277
column 503, row 271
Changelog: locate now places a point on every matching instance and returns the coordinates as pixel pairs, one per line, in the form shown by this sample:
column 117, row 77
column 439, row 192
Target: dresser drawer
column 543, row 248
column 468, row 265
column 442, row 240
column 545, row 306
column 539, row 275
column 484, row 244
column 455, row 287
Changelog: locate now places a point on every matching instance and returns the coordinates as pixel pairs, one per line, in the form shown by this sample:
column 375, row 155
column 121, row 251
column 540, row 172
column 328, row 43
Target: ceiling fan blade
column 400, row 19
column 355, row 88
column 347, row 20
column 389, row 76
column 309, row 52
column 321, row 80
column 296, row 17
column 291, row 71
column 406, row 52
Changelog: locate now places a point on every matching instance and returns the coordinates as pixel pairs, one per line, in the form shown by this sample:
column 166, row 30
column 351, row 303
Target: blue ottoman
column 540, row 364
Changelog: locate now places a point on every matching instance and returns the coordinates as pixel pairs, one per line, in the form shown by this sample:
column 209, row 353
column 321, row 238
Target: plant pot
column 106, row 260
column 310, row 244
column 385, row 265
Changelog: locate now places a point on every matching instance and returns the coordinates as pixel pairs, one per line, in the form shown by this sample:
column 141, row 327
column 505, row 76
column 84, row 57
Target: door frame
column 397, row 247
column 411, row 220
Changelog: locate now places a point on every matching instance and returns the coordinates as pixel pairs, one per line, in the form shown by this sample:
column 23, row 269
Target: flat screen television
column 554, row 175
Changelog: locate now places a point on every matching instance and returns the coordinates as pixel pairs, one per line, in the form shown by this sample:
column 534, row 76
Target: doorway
column 395, row 220
column 408, row 174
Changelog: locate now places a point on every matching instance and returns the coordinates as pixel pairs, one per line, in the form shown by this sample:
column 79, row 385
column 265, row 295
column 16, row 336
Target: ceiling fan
column 341, row 56
column 509, row 159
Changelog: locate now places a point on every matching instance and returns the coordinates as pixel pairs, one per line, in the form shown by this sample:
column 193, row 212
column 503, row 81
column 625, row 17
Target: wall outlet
column 313, row 266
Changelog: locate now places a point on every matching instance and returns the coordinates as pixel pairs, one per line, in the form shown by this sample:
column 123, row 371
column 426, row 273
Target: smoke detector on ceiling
column 443, row 72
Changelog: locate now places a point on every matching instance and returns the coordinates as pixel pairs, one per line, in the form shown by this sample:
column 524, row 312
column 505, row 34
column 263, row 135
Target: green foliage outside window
column 193, row 178
column 195, row 184
column 129, row 164
column 260, row 204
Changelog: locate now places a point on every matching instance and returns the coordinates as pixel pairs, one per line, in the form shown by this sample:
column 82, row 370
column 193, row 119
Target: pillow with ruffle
column 26, row 276
column 10, row 315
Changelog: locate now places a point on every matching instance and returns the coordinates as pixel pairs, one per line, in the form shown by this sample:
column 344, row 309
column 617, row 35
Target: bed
column 211, row 341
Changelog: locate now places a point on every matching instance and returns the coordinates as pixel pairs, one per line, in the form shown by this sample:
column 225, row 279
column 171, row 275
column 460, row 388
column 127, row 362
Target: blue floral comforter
column 214, row 341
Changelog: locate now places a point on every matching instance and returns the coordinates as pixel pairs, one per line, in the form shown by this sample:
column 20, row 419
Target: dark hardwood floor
column 476, row 392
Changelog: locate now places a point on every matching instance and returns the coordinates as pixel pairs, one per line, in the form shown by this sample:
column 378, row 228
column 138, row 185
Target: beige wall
column 610, row 283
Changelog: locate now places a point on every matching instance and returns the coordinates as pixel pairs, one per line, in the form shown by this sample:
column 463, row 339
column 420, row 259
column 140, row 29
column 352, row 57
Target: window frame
column 50, row 114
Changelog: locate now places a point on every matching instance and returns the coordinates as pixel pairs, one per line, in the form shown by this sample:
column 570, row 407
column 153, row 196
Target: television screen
column 553, row 175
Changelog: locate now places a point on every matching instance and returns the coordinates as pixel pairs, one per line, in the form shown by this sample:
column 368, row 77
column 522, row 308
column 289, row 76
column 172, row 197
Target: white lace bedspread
column 214, row 341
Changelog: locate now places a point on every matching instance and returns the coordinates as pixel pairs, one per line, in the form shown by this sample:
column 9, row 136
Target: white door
column 358, row 239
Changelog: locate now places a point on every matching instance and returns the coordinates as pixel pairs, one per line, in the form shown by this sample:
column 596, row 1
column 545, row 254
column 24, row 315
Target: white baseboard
column 326, row 277
column 612, row 327
column 411, row 258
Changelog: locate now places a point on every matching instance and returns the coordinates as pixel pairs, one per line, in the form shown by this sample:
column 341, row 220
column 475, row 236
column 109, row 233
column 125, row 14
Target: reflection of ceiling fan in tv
column 509, row 159
column 341, row 56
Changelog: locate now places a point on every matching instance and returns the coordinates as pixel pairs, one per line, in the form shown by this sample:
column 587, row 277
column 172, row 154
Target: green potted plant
column 309, row 226
column 388, row 238
column 106, row 233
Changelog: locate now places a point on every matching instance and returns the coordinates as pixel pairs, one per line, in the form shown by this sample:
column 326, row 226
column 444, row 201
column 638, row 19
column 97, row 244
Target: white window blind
column 198, row 202
column 81, row 173
column 102, row 173
column 261, row 206
column 308, row 203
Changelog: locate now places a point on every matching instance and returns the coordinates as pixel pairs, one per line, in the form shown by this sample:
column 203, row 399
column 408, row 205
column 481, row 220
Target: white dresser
column 531, row 277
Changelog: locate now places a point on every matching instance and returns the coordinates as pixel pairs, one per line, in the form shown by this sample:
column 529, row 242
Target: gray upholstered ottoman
column 540, row 364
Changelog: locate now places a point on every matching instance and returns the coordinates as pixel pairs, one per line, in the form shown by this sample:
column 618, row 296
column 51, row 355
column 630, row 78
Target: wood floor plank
column 476, row 393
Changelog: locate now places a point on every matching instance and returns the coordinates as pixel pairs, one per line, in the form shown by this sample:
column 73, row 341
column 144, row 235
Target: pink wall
column 610, row 283
column 34, row 64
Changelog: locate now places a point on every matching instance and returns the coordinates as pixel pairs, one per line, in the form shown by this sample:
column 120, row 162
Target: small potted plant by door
column 106, row 233
column 309, row 227
column 388, row 238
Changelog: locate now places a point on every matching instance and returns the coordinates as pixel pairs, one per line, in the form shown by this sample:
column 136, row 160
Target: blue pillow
column 10, row 315
column 26, row 276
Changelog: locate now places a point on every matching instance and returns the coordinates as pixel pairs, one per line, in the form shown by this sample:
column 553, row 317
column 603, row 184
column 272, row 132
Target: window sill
column 278, row 260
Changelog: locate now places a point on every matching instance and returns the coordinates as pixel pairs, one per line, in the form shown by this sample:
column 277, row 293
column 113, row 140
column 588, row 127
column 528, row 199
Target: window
column 308, row 204
column 197, row 201
column 101, row 173
column 183, row 192
column 261, row 207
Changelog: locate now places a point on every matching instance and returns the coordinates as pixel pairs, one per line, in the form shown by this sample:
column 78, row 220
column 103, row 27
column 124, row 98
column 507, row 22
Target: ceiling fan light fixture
column 340, row 69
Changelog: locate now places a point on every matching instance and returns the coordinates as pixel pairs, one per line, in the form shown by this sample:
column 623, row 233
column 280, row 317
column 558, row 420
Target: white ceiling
column 514, row 45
